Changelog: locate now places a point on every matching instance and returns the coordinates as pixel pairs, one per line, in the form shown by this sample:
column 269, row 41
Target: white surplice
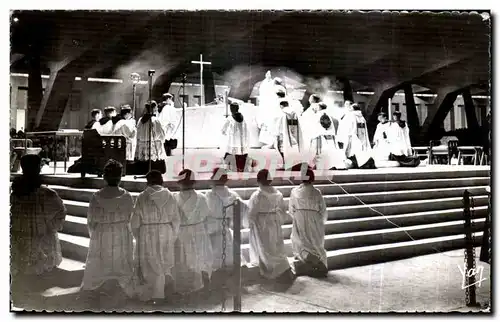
column 156, row 223
column 221, row 199
column 127, row 129
column 324, row 144
column 236, row 136
column 400, row 139
column 169, row 120
column 111, row 254
column 193, row 249
column 157, row 137
column 308, row 210
column 266, row 213
column 353, row 133
column 104, row 126
column 291, row 140
column 382, row 146
column 35, row 219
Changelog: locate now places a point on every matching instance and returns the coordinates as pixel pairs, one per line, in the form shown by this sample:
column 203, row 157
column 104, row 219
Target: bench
column 99, row 149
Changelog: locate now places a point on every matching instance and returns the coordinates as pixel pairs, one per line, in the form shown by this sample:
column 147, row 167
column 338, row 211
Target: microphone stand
column 150, row 74
column 183, row 120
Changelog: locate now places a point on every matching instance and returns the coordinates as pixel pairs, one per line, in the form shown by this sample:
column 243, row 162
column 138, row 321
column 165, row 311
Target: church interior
column 393, row 234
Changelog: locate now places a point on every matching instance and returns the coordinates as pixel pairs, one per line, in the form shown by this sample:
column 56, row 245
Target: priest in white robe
column 193, row 248
column 290, row 141
column 399, row 137
column 170, row 122
column 236, row 136
column 105, row 125
column 110, row 256
column 221, row 201
column 150, row 139
column 155, row 224
column 308, row 210
column 324, row 144
column 353, row 134
column 266, row 214
column 381, row 144
column 268, row 112
column 124, row 125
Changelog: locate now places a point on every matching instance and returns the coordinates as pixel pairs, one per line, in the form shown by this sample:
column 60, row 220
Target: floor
column 430, row 283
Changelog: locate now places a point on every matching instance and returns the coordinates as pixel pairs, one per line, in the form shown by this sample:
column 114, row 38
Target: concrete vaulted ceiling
column 367, row 48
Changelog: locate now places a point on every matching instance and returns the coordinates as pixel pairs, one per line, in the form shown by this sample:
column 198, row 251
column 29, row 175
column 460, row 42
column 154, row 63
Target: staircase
column 425, row 203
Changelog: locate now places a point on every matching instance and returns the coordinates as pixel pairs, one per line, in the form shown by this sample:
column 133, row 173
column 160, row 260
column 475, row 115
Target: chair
column 472, row 152
column 421, row 152
column 437, row 150
column 453, row 150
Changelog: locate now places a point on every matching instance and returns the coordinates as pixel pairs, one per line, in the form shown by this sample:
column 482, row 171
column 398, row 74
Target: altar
column 204, row 125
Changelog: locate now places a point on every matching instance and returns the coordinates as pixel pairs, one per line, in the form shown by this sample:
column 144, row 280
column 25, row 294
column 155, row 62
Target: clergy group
column 164, row 243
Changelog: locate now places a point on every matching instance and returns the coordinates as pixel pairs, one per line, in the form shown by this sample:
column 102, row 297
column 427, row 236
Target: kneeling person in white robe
column 221, row 201
column 266, row 213
column 308, row 210
column 399, row 137
column 381, row 144
column 193, row 249
column 328, row 154
column 110, row 255
column 155, row 224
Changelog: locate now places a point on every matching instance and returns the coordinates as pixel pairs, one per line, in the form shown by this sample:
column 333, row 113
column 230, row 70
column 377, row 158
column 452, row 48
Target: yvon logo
column 478, row 273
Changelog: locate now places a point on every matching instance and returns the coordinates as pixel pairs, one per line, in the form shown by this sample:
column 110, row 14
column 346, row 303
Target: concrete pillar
column 347, row 88
column 411, row 113
column 432, row 128
column 35, row 91
column 55, row 100
column 470, row 111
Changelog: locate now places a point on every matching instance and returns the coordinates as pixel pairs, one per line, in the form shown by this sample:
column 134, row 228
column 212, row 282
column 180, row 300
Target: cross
column 201, row 63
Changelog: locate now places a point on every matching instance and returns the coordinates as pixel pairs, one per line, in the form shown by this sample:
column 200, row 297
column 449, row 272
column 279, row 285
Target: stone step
column 84, row 194
column 242, row 180
column 75, row 249
column 77, row 226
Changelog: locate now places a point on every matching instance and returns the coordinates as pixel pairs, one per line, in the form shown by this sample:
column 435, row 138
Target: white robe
column 220, row 198
column 110, row 254
column 193, row 249
column 169, row 120
column 294, row 147
column 127, row 129
column 353, row 133
column 382, row 146
column 157, row 140
column 236, row 136
column 35, row 219
column 324, row 145
column 155, row 224
column 269, row 111
column 266, row 213
column 308, row 210
column 400, row 139
column 104, row 129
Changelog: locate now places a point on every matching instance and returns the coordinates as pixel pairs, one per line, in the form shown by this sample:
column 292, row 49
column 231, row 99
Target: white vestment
column 127, row 129
column 35, row 219
column 290, row 140
column 220, row 200
column 103, row 129
column 110, row 255
column 308, row 210
column 157, row 137
column 324, row 145
column 269, row 111
column 236, row 136
column 156, row 223
column 266, row 213
column 169, row 120
column 382, row 146
column 193, row 249
column 400, row 139
column 353, row 133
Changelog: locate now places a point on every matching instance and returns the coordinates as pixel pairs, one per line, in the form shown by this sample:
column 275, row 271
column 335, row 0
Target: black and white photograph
column 250, row 161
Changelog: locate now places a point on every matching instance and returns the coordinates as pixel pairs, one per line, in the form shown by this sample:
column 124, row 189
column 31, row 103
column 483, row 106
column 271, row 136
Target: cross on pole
column 201, row 63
